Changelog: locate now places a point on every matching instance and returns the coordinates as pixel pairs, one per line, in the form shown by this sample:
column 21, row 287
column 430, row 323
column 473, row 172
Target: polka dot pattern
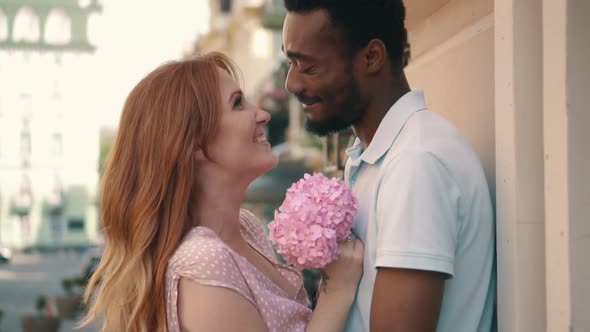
column 204, row 258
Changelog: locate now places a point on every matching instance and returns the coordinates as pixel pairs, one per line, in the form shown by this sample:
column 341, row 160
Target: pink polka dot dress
column 204, row 258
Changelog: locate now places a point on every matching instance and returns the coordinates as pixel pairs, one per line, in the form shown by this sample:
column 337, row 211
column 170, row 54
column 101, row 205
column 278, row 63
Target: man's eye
column 309, row 70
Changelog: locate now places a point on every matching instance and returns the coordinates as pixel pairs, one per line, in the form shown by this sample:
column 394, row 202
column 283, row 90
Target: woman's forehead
column 225, row 79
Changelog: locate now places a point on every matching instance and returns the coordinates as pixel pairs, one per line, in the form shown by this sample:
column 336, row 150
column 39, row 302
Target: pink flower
column 316, row 214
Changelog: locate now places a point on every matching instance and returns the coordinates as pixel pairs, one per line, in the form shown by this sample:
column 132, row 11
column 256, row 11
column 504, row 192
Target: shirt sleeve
column 417, row 214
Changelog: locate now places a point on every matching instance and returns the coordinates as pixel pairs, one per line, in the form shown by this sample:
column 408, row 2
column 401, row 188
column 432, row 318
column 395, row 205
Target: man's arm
column 418, row 227
column 406, row 300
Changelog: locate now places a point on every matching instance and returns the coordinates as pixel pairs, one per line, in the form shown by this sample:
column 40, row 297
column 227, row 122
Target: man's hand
column 406, row 300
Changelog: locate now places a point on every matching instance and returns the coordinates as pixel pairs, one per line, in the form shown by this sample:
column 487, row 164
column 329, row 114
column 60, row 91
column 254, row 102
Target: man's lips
column 310, row 107
column 307, row 100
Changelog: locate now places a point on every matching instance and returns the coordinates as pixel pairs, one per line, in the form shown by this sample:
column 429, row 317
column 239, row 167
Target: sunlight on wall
column 261, row 43
column 83, row 3
column 53, row 103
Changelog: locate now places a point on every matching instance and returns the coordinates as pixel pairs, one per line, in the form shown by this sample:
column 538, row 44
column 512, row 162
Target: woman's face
column 240, row 143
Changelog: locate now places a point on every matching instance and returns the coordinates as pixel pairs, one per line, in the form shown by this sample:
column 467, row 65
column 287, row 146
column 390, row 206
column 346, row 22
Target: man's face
column 320, row 75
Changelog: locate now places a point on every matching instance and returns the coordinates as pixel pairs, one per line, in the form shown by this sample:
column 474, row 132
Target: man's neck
column 384, row 97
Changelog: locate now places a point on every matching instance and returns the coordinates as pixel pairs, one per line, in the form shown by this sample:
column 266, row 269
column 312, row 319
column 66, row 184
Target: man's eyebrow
column 296, row 55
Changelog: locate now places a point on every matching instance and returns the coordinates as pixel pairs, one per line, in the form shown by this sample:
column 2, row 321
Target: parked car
column 5, row 255
column 89, row 262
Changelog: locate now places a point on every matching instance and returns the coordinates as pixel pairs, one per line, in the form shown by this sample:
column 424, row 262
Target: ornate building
column 48, row 148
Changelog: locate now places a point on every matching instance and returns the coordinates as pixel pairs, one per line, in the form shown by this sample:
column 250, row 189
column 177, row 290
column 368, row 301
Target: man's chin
column 325, row 128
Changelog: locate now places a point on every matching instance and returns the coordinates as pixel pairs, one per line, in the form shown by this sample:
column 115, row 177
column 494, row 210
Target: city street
column 29, row 276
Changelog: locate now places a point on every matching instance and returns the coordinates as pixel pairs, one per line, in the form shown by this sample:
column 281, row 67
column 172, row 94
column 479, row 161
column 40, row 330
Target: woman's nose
column 262, row 117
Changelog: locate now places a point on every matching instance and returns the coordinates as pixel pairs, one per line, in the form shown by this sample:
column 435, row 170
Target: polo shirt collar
column 388, row 129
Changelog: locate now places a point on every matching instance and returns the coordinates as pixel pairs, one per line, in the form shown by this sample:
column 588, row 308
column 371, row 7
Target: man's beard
column 347, row 115
column 328, row 126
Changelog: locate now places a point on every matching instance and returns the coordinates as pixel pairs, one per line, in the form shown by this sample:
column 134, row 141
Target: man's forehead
column 315, row 18
column 304, row 33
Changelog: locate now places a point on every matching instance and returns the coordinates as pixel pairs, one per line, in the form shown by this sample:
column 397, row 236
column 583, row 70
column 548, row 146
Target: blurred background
column 66, row 67
column 512, row 75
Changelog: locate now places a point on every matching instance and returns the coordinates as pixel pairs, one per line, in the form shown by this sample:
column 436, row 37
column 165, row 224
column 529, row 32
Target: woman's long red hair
column 148, row 190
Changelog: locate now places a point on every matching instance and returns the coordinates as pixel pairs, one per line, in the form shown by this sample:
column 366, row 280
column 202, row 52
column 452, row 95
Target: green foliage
column 67, row 284
column 40, row 304
column 308, row 140
column 106, row 144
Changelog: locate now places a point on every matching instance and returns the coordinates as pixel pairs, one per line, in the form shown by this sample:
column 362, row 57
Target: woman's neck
column 218, row 206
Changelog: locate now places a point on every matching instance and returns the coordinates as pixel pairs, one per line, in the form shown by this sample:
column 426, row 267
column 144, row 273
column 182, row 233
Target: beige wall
column 520, row 213
column 578, row 92
column 555, row 118
column 513, row 75
column 453, row 61
column 255, row 65
column 240, row 35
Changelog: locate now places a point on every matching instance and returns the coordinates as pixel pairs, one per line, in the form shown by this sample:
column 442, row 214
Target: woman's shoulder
column 200, row 251
column 251, row 224
column 253, row 231
column 203, row 258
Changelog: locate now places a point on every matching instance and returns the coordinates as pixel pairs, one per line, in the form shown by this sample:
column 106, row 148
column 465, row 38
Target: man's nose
column 293, row 83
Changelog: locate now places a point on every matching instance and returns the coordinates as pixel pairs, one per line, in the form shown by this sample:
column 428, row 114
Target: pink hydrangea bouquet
column 316, row 214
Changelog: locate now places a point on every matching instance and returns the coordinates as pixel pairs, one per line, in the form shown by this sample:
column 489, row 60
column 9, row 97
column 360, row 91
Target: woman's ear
column 199, row 155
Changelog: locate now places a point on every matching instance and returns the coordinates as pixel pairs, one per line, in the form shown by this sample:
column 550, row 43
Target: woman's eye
column 238, row 102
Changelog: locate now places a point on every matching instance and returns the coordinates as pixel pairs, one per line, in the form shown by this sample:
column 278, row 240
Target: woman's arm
column 209, row 308
column 331, row 311
column 337, row 295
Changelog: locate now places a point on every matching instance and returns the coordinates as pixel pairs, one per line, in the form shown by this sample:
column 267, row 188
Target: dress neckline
column 279, row 267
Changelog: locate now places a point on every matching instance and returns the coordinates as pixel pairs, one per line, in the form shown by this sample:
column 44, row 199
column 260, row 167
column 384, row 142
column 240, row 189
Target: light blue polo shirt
column 424, row 204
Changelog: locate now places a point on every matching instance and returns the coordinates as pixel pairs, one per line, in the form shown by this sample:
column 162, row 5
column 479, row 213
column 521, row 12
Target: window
column 58, row 28
column 76, row 224
column 26, row 26
column 225, row 6
column 25, row 142
column 25, row 147
column 3, row 26
column 56, row 145
column 84, row 3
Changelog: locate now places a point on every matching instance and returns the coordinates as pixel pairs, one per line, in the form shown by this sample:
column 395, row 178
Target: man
column 425, row 210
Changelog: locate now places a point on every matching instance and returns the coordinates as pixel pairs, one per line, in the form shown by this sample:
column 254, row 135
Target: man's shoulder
column 410, row 155
column 428, row 134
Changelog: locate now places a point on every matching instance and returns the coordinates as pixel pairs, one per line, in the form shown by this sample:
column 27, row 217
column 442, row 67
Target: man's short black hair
column 359, row 21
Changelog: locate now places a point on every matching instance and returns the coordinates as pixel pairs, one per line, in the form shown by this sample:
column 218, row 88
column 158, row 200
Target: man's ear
column 375, row 56
column 199, row 155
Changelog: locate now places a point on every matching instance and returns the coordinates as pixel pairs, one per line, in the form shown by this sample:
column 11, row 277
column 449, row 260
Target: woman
column 180, row 254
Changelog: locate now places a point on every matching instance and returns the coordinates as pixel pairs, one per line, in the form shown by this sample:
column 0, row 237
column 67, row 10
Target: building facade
column 48, row 146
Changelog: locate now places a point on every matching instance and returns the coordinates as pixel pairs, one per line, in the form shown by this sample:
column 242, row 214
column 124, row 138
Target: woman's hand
column 336, row 295
column 345, row 272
